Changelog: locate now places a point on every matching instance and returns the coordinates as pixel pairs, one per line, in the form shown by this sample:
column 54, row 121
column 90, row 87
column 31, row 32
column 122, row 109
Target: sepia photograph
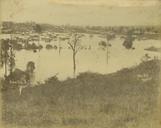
column 80, row 63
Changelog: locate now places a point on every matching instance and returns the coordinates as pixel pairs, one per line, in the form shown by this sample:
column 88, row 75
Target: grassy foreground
column 125, row 99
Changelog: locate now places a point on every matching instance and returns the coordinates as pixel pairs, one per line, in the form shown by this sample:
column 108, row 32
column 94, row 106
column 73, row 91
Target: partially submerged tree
column 129, row 39
column 108, row 38
column 49, row 46
column 74, row 43
column 103, row 44
column 38, row 29
column 128, row 42
column 59, row 45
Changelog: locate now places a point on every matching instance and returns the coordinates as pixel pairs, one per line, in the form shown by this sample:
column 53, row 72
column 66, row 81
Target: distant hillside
column 13, row 27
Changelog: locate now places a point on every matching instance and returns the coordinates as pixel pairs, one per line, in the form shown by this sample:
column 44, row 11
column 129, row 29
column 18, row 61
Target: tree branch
column 71, row 46
column 77, row 49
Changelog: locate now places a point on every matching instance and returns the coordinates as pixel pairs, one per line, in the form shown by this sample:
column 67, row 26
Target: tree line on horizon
column 13, row 27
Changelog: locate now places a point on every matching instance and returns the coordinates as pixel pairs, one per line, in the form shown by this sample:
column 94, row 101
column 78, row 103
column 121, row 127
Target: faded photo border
column 24, row 11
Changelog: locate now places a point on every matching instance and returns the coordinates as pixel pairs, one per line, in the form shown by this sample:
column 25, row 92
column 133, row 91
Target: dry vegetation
column 125, row 99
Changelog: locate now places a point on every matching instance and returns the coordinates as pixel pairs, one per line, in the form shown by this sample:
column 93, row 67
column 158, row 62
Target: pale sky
column 83, row 12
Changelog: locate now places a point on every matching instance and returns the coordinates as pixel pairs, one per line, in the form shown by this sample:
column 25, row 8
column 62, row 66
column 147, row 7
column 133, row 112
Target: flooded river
column 50, row 62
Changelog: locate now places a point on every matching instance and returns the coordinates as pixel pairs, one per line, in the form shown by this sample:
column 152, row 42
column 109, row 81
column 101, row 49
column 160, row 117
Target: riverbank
column 125, row 99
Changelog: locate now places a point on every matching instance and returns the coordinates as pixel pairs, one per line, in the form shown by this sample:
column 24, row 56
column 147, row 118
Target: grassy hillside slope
column 125, row 99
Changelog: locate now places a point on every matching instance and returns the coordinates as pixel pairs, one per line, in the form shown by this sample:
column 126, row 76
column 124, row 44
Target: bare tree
column 108, row 38
column 59, row 45
column 74, row 43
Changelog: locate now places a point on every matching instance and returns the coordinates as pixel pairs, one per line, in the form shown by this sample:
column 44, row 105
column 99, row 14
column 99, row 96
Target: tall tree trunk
column 5, row 62
column 39, row 43
column 74, row 64
column 5, row 67
column 11, row 61
column 59, row 47
column 59, row 50
column 107, row 51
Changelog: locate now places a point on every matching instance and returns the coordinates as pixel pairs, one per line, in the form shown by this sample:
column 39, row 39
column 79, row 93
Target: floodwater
column 51, row 62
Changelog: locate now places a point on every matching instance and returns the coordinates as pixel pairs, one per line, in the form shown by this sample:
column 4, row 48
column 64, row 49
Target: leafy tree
column 49, row 46
column 5, row 54
column 17, row 46
column 55, row 47
column 30, row 71
column 11, row 59
column 37, row 28
column 128, row 42
column 40, row 47
column 30, row 66
column 103, row 44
